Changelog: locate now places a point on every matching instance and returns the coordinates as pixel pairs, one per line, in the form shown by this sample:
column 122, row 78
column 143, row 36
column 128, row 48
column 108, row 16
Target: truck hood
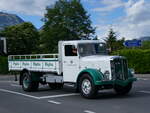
column 99, row 58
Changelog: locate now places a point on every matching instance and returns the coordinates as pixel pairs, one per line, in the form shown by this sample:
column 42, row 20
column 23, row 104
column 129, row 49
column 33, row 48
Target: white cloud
column 29, row 7
column 138, row 12
column 109, row 5
column 134, row 24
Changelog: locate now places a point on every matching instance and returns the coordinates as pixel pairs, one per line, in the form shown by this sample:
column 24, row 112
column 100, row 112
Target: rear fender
column 35, row 76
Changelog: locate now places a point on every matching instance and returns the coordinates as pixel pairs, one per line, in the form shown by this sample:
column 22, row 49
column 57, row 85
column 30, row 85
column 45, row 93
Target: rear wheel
column 120, row 90
column 28, row 84
column 87, row 87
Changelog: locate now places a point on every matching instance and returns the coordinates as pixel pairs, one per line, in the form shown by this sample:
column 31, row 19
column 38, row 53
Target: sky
column 128, row 18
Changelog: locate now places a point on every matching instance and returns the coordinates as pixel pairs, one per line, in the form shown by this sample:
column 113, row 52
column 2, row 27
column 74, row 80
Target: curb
column 142, row 75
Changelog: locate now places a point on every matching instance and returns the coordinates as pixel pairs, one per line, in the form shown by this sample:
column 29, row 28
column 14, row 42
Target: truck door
column 70, row 63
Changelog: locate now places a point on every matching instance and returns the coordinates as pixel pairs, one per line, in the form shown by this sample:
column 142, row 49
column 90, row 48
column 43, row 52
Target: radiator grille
column 119, row 69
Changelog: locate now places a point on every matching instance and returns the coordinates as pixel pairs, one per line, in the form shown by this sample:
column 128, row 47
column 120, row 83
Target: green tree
column 145, row 45
column 21, row 39
column 119, row 44
column 66, row 20
column 111, row 40
column 112, row 43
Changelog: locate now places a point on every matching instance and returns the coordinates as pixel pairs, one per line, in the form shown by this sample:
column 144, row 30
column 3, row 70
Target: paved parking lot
column 14, row 100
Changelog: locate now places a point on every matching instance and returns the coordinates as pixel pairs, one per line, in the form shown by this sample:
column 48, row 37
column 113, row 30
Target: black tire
column 27, row 83
column 87, row 81
column 55, row 85
column 120, row 90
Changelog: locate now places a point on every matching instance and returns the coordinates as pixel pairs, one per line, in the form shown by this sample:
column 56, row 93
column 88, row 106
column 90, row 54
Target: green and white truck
column 83, row 63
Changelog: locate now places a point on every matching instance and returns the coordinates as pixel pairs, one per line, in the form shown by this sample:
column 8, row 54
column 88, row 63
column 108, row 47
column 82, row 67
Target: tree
column 111, row 40
column 119, row 44
column 112, row 43
column 145, row 45
column 21, row 39
column 66, row 20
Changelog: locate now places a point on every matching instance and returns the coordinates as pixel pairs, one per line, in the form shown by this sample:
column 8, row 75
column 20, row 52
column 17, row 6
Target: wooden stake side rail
column 38, row 63
column 35, row 56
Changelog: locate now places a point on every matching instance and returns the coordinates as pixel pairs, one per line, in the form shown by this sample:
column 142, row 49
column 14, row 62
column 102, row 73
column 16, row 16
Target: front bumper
column 118, row 82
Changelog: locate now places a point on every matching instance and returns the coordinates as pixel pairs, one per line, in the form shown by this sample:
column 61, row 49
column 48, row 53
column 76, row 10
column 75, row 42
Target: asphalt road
column 14, row 100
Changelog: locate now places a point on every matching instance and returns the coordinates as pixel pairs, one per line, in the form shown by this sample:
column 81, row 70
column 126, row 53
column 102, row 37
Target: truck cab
column 84, row 63
column 80, row 55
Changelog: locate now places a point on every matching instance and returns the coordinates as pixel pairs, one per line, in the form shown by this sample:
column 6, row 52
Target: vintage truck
column 83, row 63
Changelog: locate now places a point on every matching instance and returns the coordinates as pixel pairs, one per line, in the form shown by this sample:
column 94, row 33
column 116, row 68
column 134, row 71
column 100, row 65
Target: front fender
column 96, row 75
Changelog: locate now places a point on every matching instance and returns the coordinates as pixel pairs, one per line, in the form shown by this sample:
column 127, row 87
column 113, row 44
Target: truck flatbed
column 39, row 63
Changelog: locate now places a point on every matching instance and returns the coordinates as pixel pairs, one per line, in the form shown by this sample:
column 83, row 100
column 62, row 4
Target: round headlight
column 107, row 73
column 132, row 71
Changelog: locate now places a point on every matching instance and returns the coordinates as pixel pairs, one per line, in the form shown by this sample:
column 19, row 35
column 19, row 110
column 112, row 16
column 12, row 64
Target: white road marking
column 42, row 97
column 15, row 85
column 53, row 102
column 17, row 93
column 88, row 111
column 142, row 79
column 145, row 79
column 147, row 92
column 9, row 81
column 61, row 95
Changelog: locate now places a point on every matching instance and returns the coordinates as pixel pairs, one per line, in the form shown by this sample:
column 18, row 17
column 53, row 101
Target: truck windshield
column 89, row 49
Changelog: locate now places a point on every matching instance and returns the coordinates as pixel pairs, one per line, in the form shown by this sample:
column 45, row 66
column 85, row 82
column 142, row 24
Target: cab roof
column 79, row 41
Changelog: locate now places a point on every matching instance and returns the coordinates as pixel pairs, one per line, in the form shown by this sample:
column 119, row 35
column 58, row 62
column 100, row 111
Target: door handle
column 71, row 62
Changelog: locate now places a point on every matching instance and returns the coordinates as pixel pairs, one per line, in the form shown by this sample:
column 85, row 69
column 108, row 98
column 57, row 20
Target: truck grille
column 119, row 69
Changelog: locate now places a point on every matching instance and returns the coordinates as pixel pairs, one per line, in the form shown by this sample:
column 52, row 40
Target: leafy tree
column 145, row 45
column 111, row 40
column 119, row 44
column 66, row 20
column 112, row 43
column 21, row 39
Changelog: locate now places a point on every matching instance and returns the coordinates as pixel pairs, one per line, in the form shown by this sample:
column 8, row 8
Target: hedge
column 137, row 58
column 3, row 65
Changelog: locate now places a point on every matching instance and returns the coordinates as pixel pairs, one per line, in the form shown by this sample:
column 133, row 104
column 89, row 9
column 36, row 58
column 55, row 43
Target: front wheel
column 87, row 86
column 120, row 90
column 28, row 84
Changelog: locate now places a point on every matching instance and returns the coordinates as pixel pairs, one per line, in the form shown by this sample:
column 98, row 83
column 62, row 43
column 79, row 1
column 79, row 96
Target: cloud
column 109, row 5
column 138, row 12
column 134, row 24
column 29, row 7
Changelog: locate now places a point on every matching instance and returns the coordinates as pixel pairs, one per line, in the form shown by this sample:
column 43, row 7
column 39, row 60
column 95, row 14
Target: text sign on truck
column 132, row 43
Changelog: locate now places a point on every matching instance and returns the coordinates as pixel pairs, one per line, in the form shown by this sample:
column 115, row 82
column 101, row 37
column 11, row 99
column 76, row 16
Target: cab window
column 70, row 50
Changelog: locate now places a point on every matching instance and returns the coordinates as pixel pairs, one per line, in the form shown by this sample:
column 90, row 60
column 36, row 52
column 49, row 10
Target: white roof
column 80, row 41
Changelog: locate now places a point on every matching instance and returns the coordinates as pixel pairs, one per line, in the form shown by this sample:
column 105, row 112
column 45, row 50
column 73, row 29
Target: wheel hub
column 86, row 86
column 26, row 81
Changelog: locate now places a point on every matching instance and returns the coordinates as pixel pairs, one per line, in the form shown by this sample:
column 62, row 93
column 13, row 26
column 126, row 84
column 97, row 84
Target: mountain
column 145, row 38
column 9, row 20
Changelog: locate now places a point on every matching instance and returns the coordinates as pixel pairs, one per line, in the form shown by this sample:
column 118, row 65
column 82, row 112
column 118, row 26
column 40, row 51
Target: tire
column 55, row 85
column 120, row 90
column 86, row 87
column 27, row 83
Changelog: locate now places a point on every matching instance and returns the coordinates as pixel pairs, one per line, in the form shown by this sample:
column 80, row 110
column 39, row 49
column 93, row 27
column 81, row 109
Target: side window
column 70, row 50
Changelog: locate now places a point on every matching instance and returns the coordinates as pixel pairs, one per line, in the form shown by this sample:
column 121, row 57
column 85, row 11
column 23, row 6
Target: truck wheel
column 120, row 90
column 55, row 85
column 28, row 84
column 87, row 87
